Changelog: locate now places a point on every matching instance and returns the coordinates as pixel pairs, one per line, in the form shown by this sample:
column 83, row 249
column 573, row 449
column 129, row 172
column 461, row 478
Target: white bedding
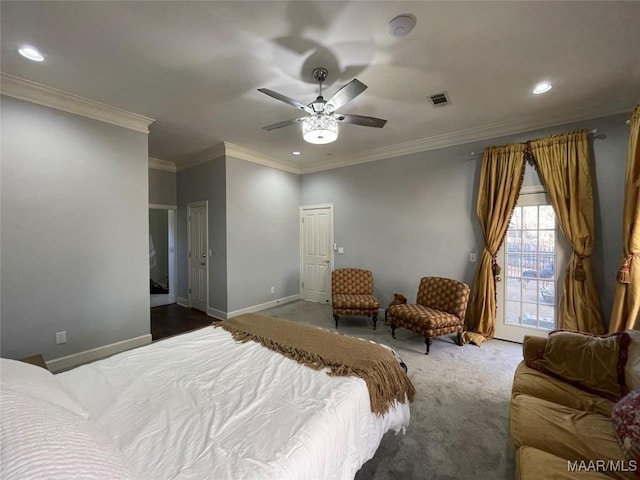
column 201, row 406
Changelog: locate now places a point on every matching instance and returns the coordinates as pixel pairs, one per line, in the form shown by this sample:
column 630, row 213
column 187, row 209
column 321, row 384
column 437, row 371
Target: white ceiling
column 195, row 66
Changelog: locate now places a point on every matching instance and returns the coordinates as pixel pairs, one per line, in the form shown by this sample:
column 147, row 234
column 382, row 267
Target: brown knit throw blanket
column 317, row 348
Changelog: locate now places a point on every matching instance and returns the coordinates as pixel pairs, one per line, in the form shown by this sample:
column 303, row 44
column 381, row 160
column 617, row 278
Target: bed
column 195, row 406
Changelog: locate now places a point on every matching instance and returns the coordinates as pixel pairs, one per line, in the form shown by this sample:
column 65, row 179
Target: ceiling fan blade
column 347, row 93
column 286, row 123
column 287, row 100
column 360, row 120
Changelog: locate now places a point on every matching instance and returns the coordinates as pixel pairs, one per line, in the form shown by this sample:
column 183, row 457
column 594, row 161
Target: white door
column 532, row 259
column 316, row 240
column 198, row 258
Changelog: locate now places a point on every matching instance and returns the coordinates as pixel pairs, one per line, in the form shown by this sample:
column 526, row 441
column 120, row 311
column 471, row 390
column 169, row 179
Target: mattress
column 201, row 406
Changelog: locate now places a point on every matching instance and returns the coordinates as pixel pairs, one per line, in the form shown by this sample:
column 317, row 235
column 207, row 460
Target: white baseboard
column 183, row 302
column 264, row 306
column 212, row 312
column 70, row 361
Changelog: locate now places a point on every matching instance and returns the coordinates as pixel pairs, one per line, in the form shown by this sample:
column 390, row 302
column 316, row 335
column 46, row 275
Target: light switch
column 211, row 253
column 340, row 250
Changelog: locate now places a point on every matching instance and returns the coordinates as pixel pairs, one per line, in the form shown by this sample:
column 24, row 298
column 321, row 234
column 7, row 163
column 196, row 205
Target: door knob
column 204, row 255
column 327, row 261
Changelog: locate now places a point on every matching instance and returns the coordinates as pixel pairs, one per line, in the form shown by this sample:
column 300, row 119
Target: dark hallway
column 169, row 320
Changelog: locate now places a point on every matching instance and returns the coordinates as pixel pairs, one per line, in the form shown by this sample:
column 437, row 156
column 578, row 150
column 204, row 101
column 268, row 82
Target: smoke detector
column 401, row 25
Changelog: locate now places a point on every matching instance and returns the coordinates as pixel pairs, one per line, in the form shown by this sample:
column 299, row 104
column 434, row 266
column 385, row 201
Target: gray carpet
column 460, row 418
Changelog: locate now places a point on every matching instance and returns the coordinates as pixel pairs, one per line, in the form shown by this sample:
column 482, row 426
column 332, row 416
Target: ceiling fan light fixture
column 320, row 129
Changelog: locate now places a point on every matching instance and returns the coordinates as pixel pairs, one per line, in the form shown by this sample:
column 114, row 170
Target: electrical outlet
column 472, row 257
column 273, row 289
column 61, row 337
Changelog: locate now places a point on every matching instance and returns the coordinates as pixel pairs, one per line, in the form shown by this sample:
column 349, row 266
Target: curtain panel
column 564, row 164
column 500, row 183
column 625, row 313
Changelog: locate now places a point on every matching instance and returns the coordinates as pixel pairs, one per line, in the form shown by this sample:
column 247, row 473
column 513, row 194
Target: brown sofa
column 555, row 424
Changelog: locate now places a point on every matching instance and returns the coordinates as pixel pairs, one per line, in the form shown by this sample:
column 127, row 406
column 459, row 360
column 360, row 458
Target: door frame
column 190, row 205
column 562, row 250
column 332, row 240
column 172, row 220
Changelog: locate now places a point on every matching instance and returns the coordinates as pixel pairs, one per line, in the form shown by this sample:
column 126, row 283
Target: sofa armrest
column 531, row 346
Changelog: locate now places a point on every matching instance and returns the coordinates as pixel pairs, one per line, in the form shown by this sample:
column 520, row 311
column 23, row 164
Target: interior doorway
column 316, row 251
column 198, row 242
column 163, row 282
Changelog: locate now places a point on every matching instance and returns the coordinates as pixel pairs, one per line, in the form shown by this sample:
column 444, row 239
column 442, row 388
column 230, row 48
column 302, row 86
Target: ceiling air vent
column 440, row 99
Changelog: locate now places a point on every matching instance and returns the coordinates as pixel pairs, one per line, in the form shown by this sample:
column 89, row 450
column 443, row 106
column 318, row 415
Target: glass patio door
column 531, row 256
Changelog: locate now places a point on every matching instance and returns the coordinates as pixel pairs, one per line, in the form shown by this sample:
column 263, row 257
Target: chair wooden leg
column 375, row 320
column 393, row 330
column 427, row 340
column 460, row 338
column 335, row 317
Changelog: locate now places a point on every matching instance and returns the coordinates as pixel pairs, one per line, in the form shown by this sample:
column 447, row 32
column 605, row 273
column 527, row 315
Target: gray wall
column 162, row 187
column 205, row 182
column 415, row 215
column 74, row 232
column 159, row 232
column 403, row 218
column 262, row 234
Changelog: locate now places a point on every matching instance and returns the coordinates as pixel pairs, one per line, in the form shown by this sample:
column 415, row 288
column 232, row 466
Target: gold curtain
column 500, row 182
column 626, row 300
column 563, row 162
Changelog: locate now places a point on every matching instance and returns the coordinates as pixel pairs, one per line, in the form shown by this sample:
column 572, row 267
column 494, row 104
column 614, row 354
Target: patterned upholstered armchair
column 439, row 309
column 352, row 294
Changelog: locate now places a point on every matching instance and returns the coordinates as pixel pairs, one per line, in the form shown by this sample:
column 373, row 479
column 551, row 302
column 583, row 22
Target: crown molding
column 244, row 153
column 165, row 165
column 40, row 94
column 232, row 150
column 485, row 132
column 200, row 157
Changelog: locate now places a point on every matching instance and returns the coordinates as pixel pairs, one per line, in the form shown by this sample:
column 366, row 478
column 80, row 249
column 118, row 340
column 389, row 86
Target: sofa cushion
column 591, row 363
column 534, row 464
column 632, row 369
column 626, row 421
column 570, row 434
column 537, row 384
column 532, row 346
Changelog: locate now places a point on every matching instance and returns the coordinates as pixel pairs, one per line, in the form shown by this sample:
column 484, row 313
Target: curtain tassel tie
column 623, row 273
column 495, row 268
column 579, row 273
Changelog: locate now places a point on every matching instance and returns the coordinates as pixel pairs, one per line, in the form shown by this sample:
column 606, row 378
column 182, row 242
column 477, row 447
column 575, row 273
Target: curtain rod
column 593, row 132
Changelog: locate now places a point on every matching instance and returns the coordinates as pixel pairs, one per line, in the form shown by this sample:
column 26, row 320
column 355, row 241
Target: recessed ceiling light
column 31, row 53
column 296, row 153
column 542, row 87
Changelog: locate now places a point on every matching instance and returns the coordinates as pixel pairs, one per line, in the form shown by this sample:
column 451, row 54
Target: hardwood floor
column 169, row 320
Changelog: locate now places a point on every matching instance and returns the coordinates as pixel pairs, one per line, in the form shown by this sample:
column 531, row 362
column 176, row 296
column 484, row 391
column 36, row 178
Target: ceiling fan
column 321, row 124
